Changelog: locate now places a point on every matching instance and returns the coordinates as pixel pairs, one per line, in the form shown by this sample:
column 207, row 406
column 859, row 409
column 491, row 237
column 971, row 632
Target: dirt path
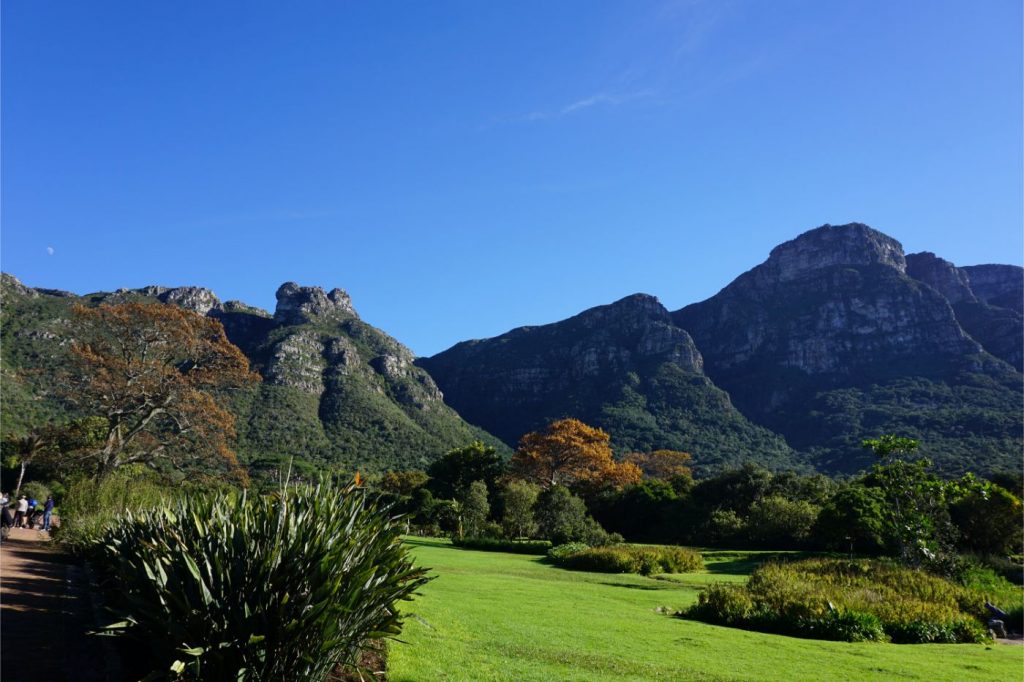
column 44, row 614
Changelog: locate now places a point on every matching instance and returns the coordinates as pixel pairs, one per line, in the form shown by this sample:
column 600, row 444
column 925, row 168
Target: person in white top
column 21, row 513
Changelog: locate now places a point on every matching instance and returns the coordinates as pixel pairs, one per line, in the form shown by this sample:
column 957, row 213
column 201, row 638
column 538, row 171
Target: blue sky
column 462, row 168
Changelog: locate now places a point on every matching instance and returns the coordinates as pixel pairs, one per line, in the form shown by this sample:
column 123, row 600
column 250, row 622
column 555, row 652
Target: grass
column 496, row 616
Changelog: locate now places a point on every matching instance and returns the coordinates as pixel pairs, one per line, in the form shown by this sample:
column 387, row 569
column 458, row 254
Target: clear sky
column 462, row 168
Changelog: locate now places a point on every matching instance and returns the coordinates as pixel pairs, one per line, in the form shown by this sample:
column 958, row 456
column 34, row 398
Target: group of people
column 25, row 512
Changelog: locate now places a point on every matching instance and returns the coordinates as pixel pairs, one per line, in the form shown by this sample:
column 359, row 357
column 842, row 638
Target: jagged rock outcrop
column 998, row 285
column 831, row 317
column 9, row 284
column 625, row 367
column 941, row 275
column 299, row 305
column 999, row 329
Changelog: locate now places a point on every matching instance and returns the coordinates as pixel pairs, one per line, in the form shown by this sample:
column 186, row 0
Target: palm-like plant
column 243, row 587
column 27, row 449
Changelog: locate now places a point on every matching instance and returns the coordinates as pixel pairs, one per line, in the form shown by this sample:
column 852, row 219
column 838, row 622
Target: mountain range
column 838, row 336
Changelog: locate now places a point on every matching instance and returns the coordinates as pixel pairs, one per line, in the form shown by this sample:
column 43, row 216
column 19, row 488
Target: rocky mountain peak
column 196, row 299
column 830, row 245
column 298, row 305
column 13, row 284
column 941, row 275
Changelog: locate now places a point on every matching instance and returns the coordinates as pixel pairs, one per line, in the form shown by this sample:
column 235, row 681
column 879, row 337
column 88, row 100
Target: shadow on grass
column 646, row 588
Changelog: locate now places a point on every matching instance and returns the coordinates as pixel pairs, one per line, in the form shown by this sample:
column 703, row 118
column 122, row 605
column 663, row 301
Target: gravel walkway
column 45, row 614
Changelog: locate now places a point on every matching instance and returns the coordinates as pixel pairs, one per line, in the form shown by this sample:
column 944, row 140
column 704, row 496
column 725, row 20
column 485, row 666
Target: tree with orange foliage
column 662, row 464
column 150, row 371
column 571, row 453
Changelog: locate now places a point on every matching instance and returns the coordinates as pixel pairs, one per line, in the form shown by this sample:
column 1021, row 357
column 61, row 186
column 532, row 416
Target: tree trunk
column 21, row 475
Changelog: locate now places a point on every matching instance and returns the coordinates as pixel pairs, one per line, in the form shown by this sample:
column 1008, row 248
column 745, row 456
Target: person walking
column 21, row 513
column 47, row 513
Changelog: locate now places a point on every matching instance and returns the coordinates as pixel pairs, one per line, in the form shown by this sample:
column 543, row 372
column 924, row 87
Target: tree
column 152, row 372
column 562, row 517
column 519, row 498
column 662, row 464
column 890, row 446
column 452, row 474
column 853, row 519
column 570, row 453
column 777, row 522
column 403, row 483
column 917, row 519
column 475, row 509
column 28, row 449
column 987, row 516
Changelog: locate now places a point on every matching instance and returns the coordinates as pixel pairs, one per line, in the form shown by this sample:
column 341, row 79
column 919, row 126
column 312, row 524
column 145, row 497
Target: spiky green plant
column 245, row 587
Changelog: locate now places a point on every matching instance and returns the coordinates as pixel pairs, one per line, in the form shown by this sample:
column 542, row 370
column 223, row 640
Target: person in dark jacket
column 48, row 513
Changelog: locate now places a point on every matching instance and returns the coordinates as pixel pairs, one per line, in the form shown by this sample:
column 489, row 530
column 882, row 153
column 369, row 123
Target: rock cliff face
column 625, row 367
column 335, row 389
column 830, row 323
column 998, row 285
column 998, row 328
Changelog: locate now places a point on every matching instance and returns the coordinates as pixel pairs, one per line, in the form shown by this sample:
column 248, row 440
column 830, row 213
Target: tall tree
column 152, row 371
column 475, row 509
column 571, row 453
column 519, row 498
column 451, row 475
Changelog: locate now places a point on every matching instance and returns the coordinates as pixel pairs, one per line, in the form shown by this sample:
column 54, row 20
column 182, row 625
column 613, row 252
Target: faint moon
column 49, row 250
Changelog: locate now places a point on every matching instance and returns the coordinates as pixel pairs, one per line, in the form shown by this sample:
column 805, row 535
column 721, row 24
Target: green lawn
column 494, row 616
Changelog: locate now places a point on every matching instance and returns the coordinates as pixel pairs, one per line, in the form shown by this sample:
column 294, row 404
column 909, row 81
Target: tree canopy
column 153, row 373
column 571, row 453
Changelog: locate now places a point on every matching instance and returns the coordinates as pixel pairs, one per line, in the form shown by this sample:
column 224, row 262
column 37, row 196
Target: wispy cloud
column 595, row 100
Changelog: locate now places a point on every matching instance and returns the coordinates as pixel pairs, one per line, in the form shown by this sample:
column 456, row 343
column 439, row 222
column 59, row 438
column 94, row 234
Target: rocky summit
column 838, row 336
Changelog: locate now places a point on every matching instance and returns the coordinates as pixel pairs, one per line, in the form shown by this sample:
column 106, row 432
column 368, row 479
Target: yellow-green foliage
column 90, row 506
column 643, row 559
column 848, row 600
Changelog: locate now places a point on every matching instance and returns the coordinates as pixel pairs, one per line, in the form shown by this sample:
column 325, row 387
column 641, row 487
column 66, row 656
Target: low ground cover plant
column 247, row 587
column 502, row 545
column 848, row 600
column 642, row 559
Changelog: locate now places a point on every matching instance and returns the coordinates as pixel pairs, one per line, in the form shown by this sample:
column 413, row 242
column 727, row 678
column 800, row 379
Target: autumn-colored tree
column 151, row 371
column 662, row 464
column 571, row 453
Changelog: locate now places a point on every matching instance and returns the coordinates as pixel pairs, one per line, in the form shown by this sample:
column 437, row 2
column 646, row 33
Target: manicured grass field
column 494, row 616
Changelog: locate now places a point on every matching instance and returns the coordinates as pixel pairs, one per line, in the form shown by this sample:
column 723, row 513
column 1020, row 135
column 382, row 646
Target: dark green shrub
column 500, row 545
column 723, row 604
column 232, row 586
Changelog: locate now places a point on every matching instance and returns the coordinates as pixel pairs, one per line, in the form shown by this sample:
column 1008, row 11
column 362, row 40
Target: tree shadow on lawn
column 629, row 586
